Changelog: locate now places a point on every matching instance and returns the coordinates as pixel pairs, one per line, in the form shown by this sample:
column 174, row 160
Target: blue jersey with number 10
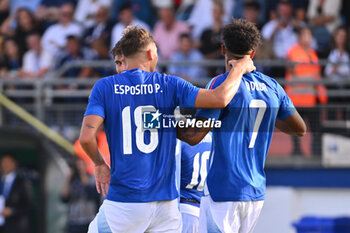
column 142, row 158
column 241, row 144
column 194, row 168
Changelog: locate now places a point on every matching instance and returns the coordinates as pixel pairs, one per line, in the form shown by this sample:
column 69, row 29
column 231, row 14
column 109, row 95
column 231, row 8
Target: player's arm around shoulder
column 192, row 134
column 221, row 96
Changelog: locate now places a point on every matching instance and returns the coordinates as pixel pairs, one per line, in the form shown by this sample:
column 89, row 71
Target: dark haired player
column 235, row 186
column 140, row 186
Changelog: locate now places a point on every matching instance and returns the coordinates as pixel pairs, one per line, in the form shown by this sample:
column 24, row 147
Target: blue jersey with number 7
column 241, row 145
column 134, row 105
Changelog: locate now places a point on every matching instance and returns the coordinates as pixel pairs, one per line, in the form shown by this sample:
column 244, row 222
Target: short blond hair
column 134, row 40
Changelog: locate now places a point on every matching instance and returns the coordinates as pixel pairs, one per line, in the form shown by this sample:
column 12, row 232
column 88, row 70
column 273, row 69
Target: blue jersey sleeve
column 186, row 93
column 96, row 101
column 210, row 113
column 286, row 108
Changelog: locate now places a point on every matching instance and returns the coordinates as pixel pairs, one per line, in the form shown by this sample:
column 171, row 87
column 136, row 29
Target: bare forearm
column 294, row 129
column 192, row 135
column 91, row 149
column 228, row 89
column 88, row 140
column 222, row 95
column 283, row 127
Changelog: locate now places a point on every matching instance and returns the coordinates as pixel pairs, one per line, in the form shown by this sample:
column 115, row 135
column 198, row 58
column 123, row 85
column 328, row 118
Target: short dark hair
column 185, row 36
column 116, row 50
column 134, row 39
column 300, row 30
column 285, row 2
column 72, row 37
column 252, row 5
column 241, row 36
column 125, row 6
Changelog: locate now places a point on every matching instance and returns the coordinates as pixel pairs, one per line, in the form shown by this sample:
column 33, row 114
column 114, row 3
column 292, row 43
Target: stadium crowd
column 38, row 36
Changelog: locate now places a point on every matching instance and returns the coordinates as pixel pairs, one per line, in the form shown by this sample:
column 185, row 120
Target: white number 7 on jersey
column 262, row 108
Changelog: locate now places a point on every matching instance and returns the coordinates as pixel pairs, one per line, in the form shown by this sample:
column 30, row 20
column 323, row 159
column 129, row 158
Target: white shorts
column 190, row 218
column 120, row 217
column 228, row 217
column 189, row 223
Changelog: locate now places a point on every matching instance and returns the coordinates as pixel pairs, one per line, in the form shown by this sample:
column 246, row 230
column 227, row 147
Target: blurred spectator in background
column 74, row 52
column 200, row 16
column 345, row 9
column 280, row 31
column 16, row 192
column 31, row 5
column 37, row 62
column 339, row 54
column 142, row 9
column 4, row 9
column 271, row 7
column 49, row 10
column 54, row 38
column 126, row 18
column 252, row 10
column 210, row 40
column 26, row 23
column 306, row 96
column 324, row 16
column 79, row 191
column 102, row 29
column 102, row 147
column 187, row 53
column 87, row 9
column 167, row 31
column 101, row 48
column 10, row 62
column 281, row 34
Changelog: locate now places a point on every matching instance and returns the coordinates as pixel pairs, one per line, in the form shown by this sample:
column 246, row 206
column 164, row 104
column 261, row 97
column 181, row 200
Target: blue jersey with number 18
column 240, row 146
column 133, row 104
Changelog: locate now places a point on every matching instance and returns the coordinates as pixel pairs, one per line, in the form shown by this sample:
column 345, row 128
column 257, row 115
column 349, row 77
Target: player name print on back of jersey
column 255, row 86
column 141, row 168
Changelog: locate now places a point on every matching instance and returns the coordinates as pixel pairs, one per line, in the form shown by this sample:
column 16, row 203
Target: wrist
column 100, row 161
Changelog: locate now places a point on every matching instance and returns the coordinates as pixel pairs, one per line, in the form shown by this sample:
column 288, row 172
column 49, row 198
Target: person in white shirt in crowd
column 280, row 31
column 54, row 38
column 126, row 18
column 86, row 10
column 37, row 62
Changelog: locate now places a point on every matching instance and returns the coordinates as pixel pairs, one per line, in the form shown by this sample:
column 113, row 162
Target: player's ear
column 223, row 50
column 252, row 54
column 149, row 54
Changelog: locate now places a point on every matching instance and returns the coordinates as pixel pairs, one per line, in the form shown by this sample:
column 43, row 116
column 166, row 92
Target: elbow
column 302, row 131
column 222, row 102
column 84, row 140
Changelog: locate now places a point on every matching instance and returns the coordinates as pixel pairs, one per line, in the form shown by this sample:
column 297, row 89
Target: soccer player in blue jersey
column 194, row 166
column 119, row 59
column 235, row 185
column 140, row 185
